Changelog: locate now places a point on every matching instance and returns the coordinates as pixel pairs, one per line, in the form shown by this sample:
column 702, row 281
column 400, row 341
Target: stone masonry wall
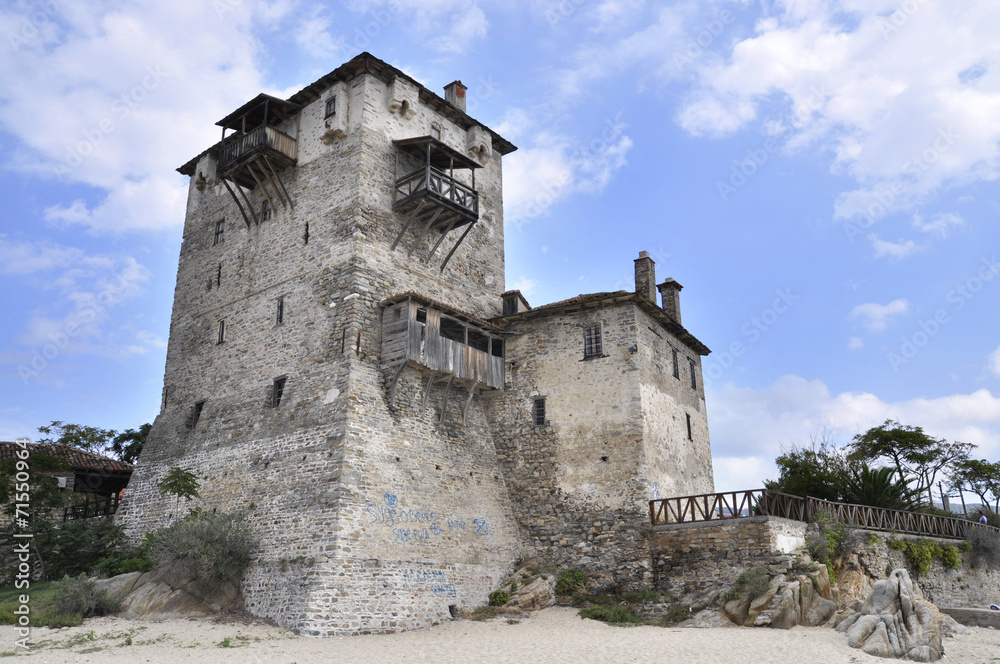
column 696, row 561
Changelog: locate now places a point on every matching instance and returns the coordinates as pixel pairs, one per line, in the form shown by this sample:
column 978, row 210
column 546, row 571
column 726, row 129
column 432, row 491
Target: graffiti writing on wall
column 411, row 525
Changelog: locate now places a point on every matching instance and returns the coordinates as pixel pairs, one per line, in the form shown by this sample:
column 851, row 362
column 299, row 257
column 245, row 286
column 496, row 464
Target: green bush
column 613, row 614
column 499, row 598
column 212, row 549
column 570, row 581
column 984, row 546
column 752, row 583
column 80, row 596
column 950, row 557
column 921, row 553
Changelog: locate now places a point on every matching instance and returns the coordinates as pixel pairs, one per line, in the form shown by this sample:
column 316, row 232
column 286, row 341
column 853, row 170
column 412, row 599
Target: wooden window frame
column 330, row 108
column 220, row 232
column 539, row 412
column 278, row 390
column 694, row 376
column 265, row 210
column 279, row 316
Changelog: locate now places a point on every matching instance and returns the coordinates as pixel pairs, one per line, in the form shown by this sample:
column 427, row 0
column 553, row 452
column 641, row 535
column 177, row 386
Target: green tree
column 179, row 482
column 979, row 477
column 128, row 444
column 915, row 456
column 92, row 439
column 818, row 471
column 879, row 487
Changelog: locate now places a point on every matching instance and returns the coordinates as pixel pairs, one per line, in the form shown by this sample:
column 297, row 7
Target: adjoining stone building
column 345, row 365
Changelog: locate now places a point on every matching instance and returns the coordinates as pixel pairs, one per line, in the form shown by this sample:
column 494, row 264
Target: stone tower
column 330, row 349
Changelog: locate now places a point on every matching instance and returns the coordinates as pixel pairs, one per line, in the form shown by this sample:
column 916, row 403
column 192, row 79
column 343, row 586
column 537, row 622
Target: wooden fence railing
column 763, row 502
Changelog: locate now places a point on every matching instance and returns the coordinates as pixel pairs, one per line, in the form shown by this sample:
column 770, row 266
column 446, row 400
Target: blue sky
column 820, row 176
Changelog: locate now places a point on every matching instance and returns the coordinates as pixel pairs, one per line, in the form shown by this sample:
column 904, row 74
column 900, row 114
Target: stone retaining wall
column 698, row 560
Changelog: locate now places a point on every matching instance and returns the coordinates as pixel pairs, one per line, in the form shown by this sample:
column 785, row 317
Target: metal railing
column 763, row 502
column 430, row 179
column 238, row 145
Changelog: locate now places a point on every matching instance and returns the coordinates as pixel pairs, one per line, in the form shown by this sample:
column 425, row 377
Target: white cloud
column 898, row 117
column 525, row 285
column 314, row 37
column 537, row 177
column 877, row 317
column 855, row 343
column 116, row 96
column 994, row 360
column 751, row 425
column 939, row 224
column 896, row 251
column 450, row 26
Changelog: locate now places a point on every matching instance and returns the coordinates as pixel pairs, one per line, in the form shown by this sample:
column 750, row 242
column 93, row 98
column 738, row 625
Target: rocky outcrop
column 149, row 596
column 803, row 596
column 896, row 621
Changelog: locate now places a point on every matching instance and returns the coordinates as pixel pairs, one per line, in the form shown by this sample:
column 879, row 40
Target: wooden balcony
column 438, row 189
column 276, row 147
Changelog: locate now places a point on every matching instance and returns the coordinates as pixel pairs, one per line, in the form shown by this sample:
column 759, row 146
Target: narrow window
column 331, row 106
column 277, row 390
column 694, row 379
column 265, row 210
column 305, row 235
column 677, row 364
column 688, row 416
column 195, row 414
column 218, row 276
column 436, row 132
column 280, row 317
column 496, row 348
column 538, row 412
column 222, row 331
column 220, row 231
column 165, row 399
column 592, row 342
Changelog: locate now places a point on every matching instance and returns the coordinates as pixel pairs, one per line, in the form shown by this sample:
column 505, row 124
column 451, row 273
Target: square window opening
column 196, row 413
column 479, row 341
column 452, row 329
column 497, row 349
column 265, row 210
column 331, row 106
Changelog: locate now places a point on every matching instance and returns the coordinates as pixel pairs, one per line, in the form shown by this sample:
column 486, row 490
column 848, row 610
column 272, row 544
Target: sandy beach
column 553, row 635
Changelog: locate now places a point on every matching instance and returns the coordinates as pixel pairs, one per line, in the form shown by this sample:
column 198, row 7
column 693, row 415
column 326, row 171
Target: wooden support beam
column 267, row 161
column 395, row 382
column 423, row 231
column 406, row 226
column 441, row 239
column 232, row 193
column 457, row 244
column 253, row 210
column 447, row 393
column 277, row 191
column 253, row 174
column 468, row 400
column 427, row 391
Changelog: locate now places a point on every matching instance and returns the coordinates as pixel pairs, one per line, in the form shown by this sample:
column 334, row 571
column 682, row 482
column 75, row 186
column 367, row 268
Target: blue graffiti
column 456, row 525
column 392, row 516
column 481, row 526
column 390, row 499
column 449, row 589
column 426, row 577
column 435, row 530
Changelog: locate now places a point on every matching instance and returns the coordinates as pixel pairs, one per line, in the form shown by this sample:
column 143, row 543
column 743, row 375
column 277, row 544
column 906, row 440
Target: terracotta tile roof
column 597, row 300
column 77, row 458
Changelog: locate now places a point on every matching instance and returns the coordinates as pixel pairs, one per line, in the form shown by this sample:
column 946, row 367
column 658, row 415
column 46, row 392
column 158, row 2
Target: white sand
column 553, row 635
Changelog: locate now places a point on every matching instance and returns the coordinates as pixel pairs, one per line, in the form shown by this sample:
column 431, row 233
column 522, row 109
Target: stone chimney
column 645, row 276
column 454, row 94
column 670, row 291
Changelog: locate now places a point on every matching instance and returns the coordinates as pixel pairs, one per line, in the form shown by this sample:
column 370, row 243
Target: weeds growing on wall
column 211, row 549
column 921, row 553
column 752, row 583
column 984, row 548
column 570, row 581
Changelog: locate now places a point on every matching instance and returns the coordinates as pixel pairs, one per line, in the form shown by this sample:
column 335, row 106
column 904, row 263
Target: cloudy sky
column 820, row 176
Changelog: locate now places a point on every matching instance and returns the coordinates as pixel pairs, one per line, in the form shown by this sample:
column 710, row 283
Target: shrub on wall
column 211, row 549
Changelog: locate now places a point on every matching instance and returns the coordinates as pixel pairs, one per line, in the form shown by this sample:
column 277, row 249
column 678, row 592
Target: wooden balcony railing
column 262, row 138
column 93, row 507
column 437, row 182
column 762, row 502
